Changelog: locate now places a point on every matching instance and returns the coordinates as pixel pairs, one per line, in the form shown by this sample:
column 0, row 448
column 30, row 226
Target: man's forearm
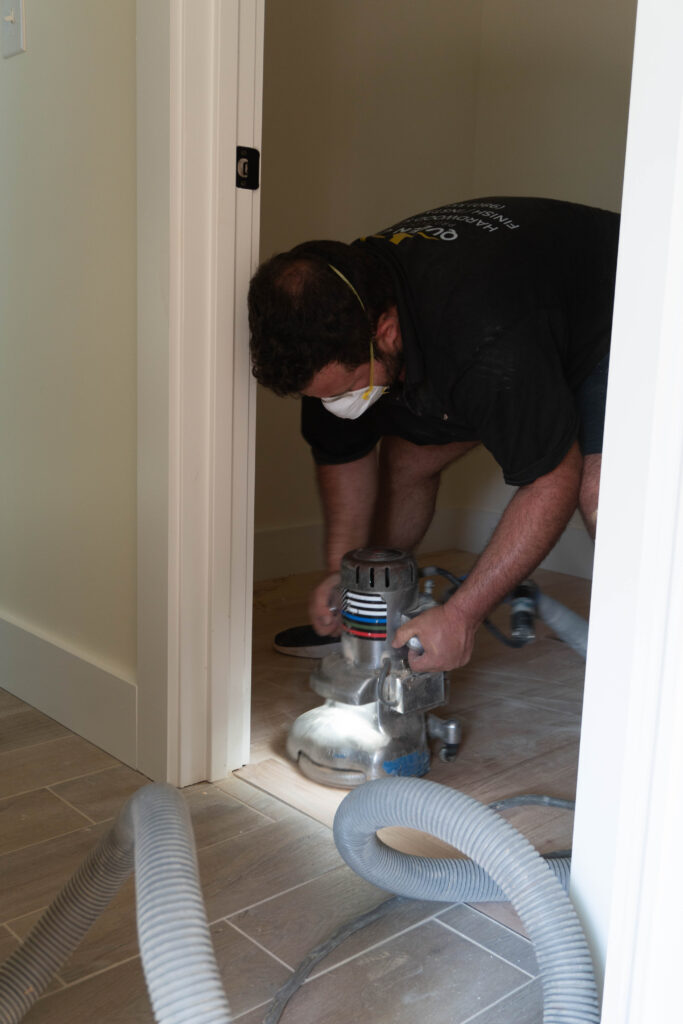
column 348, row 493
column 528, row 530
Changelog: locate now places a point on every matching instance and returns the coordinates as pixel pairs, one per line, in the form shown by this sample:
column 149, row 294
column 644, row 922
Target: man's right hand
column 324, row 609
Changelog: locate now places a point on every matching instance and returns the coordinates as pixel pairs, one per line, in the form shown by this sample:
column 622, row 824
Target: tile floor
column 273, row 882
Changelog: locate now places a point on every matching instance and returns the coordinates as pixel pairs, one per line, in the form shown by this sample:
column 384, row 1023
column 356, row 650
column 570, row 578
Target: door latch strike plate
column 247, row 167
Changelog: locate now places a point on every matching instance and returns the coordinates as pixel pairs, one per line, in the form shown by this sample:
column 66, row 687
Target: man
column 482, row 322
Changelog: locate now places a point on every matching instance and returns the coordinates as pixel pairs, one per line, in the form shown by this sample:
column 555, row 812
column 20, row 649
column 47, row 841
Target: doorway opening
column 417, row 109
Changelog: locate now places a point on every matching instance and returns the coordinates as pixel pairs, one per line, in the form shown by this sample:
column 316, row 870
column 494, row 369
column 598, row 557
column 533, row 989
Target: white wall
column 392, row 107
column 68, row 366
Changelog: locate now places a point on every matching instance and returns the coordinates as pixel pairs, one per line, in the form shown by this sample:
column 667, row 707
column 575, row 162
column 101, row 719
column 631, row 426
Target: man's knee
column 417, row 462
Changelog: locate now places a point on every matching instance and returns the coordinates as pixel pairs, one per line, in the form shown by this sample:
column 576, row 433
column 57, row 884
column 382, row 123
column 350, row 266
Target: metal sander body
column 373, row 721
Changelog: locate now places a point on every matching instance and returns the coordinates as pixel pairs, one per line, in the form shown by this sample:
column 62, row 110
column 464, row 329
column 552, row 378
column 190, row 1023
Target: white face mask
column 353, row 404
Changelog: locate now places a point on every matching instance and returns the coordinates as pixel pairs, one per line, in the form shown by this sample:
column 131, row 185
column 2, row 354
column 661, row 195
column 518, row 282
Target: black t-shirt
column 505, row 306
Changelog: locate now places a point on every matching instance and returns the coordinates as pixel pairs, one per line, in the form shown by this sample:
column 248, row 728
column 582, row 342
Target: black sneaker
column 304, row 642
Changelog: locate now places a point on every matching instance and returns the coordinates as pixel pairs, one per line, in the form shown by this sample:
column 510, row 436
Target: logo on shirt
column 440, row 223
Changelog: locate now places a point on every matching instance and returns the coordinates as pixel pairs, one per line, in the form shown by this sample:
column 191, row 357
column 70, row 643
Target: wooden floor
column 520, row 711
column 273, row 882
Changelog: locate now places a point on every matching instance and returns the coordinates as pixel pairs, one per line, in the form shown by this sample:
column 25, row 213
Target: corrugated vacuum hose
column 153, row 834
column 503, row 865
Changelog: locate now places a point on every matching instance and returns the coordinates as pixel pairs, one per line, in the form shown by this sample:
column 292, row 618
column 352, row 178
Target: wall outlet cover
column 12, row 28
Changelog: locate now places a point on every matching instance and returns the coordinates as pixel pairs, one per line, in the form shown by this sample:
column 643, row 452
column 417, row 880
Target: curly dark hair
column 302, row 315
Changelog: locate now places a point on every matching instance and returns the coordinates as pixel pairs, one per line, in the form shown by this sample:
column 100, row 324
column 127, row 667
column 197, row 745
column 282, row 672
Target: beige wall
column 68, row 331
column 373, row 110
column 368, row 115
column 552, row 109
column 552, row 99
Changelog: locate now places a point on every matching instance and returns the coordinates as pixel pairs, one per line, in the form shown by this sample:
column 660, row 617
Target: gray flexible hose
column 568, row 626
column 153, row 833
column 502, row 860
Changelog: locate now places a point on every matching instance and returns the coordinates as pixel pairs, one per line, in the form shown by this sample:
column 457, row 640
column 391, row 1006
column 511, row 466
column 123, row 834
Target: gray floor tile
column 9, row 703
column 429, row 973
column 33, row 876
column 496, row 937
column 273, row 808
column 504, row 914
column 255, row 1016
column 247, row 869
column 33, row 818
column 249, row 975
column 27, row 768
column 291, row 925
column 216, row 816
column 118, row 996
column 522, row 1007
column 26, row 727
column 102, row 796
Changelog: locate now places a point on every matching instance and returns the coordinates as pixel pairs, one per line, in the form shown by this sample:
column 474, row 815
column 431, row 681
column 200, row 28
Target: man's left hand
column 446, row 636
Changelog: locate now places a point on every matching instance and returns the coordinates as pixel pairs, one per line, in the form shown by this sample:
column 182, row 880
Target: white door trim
column 629, row 818
column 200, row 74
column 234, row 401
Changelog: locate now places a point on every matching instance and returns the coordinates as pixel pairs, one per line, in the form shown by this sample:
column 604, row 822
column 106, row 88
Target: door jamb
column 199, row 94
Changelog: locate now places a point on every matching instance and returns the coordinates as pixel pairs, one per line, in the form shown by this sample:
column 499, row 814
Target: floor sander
column 374, row 721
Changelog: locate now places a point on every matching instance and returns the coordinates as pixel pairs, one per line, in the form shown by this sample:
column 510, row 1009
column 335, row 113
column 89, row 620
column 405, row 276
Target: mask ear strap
column 348, row 283
column 369, row 389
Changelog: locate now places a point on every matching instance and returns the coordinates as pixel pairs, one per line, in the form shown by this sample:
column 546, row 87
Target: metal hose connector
column 503, row 865
column 152, row 833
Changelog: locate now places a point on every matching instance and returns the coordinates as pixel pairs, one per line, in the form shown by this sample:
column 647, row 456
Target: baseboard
column 282, row 552
column 92, row 702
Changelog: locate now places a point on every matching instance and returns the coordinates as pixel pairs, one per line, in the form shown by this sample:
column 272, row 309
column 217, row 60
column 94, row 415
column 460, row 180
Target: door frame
column 629, row 817
column 200, row 74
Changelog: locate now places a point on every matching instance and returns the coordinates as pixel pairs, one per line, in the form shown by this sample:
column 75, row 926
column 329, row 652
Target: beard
column 394, row 364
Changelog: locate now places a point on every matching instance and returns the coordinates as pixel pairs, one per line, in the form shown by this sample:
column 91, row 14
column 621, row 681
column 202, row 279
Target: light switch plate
column 12, row 28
